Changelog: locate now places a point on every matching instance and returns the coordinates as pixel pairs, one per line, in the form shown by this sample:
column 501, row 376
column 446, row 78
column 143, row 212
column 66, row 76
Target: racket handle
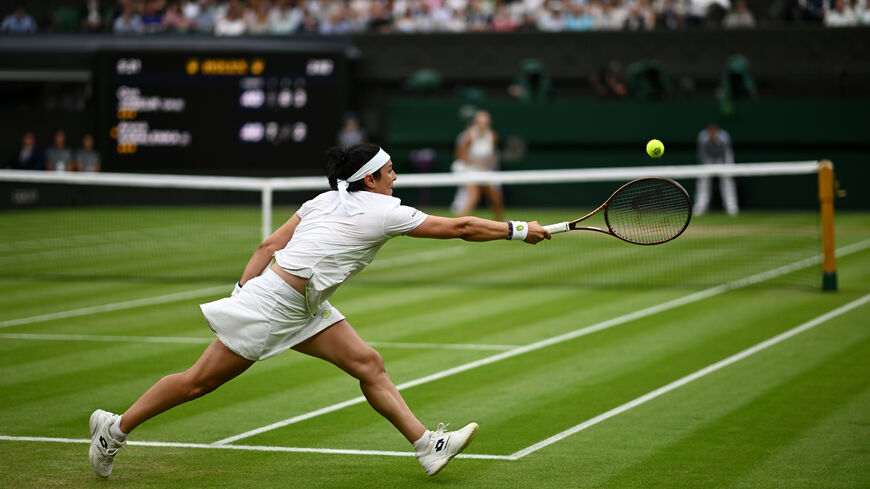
column 558, row 228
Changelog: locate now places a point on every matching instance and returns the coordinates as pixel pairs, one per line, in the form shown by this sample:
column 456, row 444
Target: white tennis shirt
column 328, row 247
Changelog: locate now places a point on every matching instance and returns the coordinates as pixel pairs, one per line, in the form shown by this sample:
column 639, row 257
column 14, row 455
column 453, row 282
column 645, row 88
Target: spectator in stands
column 740, row 17
column 478, row 152
column 550, row 17
column 609, row 81
column 190, row 8
column 809, row 11
column 18, row 22
column 92, row 16
column 862, row 10
column 284, row 18
column 152, row 17
column 28, row 156
column 478, row 17
column 129, row 21
column 707, row 13
column 257, row 18
column 232, row 22
column 174, row 20
column 841, row 15
column 528, row 23
column 640, row 17
column 714, row 148
column 578, row 19
column 380, row 19
column 203, row 16
column 404, row 24
column 456, row 22
column 613, row 16
column 87, row 158
column 58, row 157
column 671, row 13
column 351, row 133
column 336, row 23
column 310, row 25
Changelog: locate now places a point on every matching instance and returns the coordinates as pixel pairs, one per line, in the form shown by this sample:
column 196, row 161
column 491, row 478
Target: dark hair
column 342, row 163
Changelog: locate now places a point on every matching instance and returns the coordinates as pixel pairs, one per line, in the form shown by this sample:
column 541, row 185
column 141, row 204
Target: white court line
column 253, row 448
column 442, row 346
column 672, row 304
column 694, row 376
column 117, row 306
column 203, row 340
column 193, row 294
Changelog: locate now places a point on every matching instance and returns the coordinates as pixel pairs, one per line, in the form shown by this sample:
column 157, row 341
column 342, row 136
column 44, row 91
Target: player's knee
column 368, row 365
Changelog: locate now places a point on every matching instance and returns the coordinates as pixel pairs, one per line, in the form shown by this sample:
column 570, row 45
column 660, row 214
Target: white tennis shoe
column 103, row 446
column 444, row 445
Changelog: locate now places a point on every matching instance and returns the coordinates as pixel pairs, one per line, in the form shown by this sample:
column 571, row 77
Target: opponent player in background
column 477, row 151
column 328, row 240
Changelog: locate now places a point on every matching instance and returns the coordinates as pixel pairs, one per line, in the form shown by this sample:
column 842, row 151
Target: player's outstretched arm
column 473, row 229
column 263, row 254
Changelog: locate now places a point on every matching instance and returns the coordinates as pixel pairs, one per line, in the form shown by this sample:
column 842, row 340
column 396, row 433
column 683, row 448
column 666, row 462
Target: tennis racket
column 645, row 211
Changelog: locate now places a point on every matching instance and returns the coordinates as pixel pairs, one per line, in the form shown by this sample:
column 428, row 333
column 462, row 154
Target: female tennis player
column 328, row 240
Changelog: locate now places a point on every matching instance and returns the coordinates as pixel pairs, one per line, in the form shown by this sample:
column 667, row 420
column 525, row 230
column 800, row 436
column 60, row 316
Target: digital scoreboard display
column 242, row 113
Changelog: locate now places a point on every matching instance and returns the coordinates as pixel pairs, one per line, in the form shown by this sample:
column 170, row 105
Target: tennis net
column 170, row 227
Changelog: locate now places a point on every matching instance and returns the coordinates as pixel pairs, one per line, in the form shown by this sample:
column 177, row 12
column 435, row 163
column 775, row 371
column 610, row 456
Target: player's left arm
column 263, row 254
column 473, row 229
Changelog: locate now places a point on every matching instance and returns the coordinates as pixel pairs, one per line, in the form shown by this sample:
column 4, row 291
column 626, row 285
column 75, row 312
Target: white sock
column 115, row 430
column 423, row 441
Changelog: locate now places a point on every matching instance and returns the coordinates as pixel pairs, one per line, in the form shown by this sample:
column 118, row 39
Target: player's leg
column 341, row 345
column 702, row 196
column 216, row 366
column 728, row 190
column 472, row 198
column 496, row 200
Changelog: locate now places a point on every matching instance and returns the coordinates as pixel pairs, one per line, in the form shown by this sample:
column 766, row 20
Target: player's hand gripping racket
column 645, row 211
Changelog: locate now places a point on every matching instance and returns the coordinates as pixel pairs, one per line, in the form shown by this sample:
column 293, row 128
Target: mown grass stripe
column 694, row 376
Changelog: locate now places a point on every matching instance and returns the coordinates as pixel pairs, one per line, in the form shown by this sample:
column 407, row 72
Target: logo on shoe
column 104, row 443
column 439, row 445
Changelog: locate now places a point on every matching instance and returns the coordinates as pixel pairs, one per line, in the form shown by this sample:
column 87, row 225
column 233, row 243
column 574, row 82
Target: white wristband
column 236, row 289
column 518, row 230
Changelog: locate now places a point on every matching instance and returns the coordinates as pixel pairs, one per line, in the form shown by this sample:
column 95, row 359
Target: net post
column 826, row 201
column 266, row 211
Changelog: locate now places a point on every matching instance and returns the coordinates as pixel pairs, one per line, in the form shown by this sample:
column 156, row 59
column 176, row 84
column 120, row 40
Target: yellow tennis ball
column 655, row 148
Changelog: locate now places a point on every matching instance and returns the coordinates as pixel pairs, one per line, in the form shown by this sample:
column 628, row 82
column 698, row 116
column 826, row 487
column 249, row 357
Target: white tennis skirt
column 266, row 317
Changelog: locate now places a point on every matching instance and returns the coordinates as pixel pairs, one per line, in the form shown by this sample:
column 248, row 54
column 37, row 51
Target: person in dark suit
column 28, row 157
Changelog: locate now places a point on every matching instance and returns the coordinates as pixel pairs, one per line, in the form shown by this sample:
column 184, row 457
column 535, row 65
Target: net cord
column 523, row 177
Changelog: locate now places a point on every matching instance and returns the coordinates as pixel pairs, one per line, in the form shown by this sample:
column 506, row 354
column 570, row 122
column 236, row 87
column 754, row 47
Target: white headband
column 378, row 160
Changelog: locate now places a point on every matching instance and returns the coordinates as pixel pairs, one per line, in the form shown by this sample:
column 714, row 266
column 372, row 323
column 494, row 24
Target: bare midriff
column 298, row 283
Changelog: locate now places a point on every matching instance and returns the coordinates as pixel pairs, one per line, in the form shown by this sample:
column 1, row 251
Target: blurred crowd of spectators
column 58, row 156
column 283, row 17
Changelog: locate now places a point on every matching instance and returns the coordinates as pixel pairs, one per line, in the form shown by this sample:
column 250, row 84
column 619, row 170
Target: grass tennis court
column 791, row 413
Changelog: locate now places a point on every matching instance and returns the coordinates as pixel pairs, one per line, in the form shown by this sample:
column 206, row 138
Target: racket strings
column 648, row 211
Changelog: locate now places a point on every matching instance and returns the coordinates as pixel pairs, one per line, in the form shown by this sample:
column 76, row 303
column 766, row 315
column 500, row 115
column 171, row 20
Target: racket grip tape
column 558, row 228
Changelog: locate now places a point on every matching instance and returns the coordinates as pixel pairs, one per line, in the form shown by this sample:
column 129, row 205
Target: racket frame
column 573, row 225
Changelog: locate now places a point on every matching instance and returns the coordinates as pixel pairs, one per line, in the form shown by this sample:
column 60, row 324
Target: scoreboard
column 212, row 112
